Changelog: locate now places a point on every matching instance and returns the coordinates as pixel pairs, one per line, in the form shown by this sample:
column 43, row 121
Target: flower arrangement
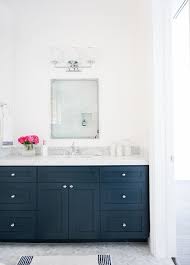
column 28, row 141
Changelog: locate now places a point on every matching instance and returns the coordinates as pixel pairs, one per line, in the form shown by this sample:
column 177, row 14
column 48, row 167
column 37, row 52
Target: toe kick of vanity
column 74, row 203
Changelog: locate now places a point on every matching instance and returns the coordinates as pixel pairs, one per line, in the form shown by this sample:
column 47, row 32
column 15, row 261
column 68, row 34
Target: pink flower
column 21, row 139
column 29, row 139
column 35, row 139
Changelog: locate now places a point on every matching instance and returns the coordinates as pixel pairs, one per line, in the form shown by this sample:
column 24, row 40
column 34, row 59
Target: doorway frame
column 162, row 182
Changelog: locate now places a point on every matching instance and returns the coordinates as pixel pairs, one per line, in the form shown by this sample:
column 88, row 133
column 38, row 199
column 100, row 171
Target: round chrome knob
column 124, row 224
column 124, row 196
column 12, row 225
column 13, row 196
column 71, row 186
column 13, row 174
column 123, row 174
column 64, row 186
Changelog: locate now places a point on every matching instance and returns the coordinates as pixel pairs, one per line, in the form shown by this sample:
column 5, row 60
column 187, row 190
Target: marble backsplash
column 66, row 151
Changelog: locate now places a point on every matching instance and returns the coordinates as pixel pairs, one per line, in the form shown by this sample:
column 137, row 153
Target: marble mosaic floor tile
column 121, row 253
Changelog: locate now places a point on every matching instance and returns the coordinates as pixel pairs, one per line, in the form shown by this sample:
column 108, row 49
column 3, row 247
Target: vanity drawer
column 124, row 196
column 124, row 174
column 123, row 225
column 68, row 174
column 18, row 174
column 15, row 225
column 17, row 196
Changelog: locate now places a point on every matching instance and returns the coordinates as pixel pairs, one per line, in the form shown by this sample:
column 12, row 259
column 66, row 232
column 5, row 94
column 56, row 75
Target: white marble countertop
column 71, row 161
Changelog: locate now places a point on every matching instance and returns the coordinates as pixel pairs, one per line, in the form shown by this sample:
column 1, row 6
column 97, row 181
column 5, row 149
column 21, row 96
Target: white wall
column 121, row 32
column 6, row 53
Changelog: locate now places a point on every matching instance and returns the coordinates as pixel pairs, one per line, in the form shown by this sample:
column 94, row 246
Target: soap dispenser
column 44, row 148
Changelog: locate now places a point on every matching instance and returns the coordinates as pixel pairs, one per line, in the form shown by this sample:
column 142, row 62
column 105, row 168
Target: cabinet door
column 52, row 211
column 84, row 220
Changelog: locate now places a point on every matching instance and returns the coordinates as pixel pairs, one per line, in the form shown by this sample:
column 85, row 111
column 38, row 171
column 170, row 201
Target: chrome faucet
column 74, row 149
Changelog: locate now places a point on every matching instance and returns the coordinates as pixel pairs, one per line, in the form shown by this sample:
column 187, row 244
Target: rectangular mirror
column 74, row 108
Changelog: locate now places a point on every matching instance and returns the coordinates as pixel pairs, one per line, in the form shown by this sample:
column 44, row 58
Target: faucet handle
column 77, row 150
column 73, row 148
column 73, row 145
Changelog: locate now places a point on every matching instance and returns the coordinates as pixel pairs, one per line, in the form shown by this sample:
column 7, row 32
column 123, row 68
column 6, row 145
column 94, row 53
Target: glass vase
column 28, row 150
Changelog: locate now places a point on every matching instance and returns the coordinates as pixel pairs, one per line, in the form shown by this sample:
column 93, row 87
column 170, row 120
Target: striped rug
column 66, row 260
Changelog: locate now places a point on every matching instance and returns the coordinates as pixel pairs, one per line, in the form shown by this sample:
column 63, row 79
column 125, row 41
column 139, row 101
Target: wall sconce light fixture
column 73, row 59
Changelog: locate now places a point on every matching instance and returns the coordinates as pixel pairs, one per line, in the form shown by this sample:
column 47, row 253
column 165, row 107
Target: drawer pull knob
column 124, row 196
column 64, row 186
column 12, row 225
column 13, row 196
column 123, row 174
column 13, row 174
column 124, row 224
column 71, row 186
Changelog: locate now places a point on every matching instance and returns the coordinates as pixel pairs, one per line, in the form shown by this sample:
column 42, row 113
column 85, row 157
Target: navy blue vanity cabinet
column 68, row 203
column 18, row 203
column 124, row 203
column 73, row 203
